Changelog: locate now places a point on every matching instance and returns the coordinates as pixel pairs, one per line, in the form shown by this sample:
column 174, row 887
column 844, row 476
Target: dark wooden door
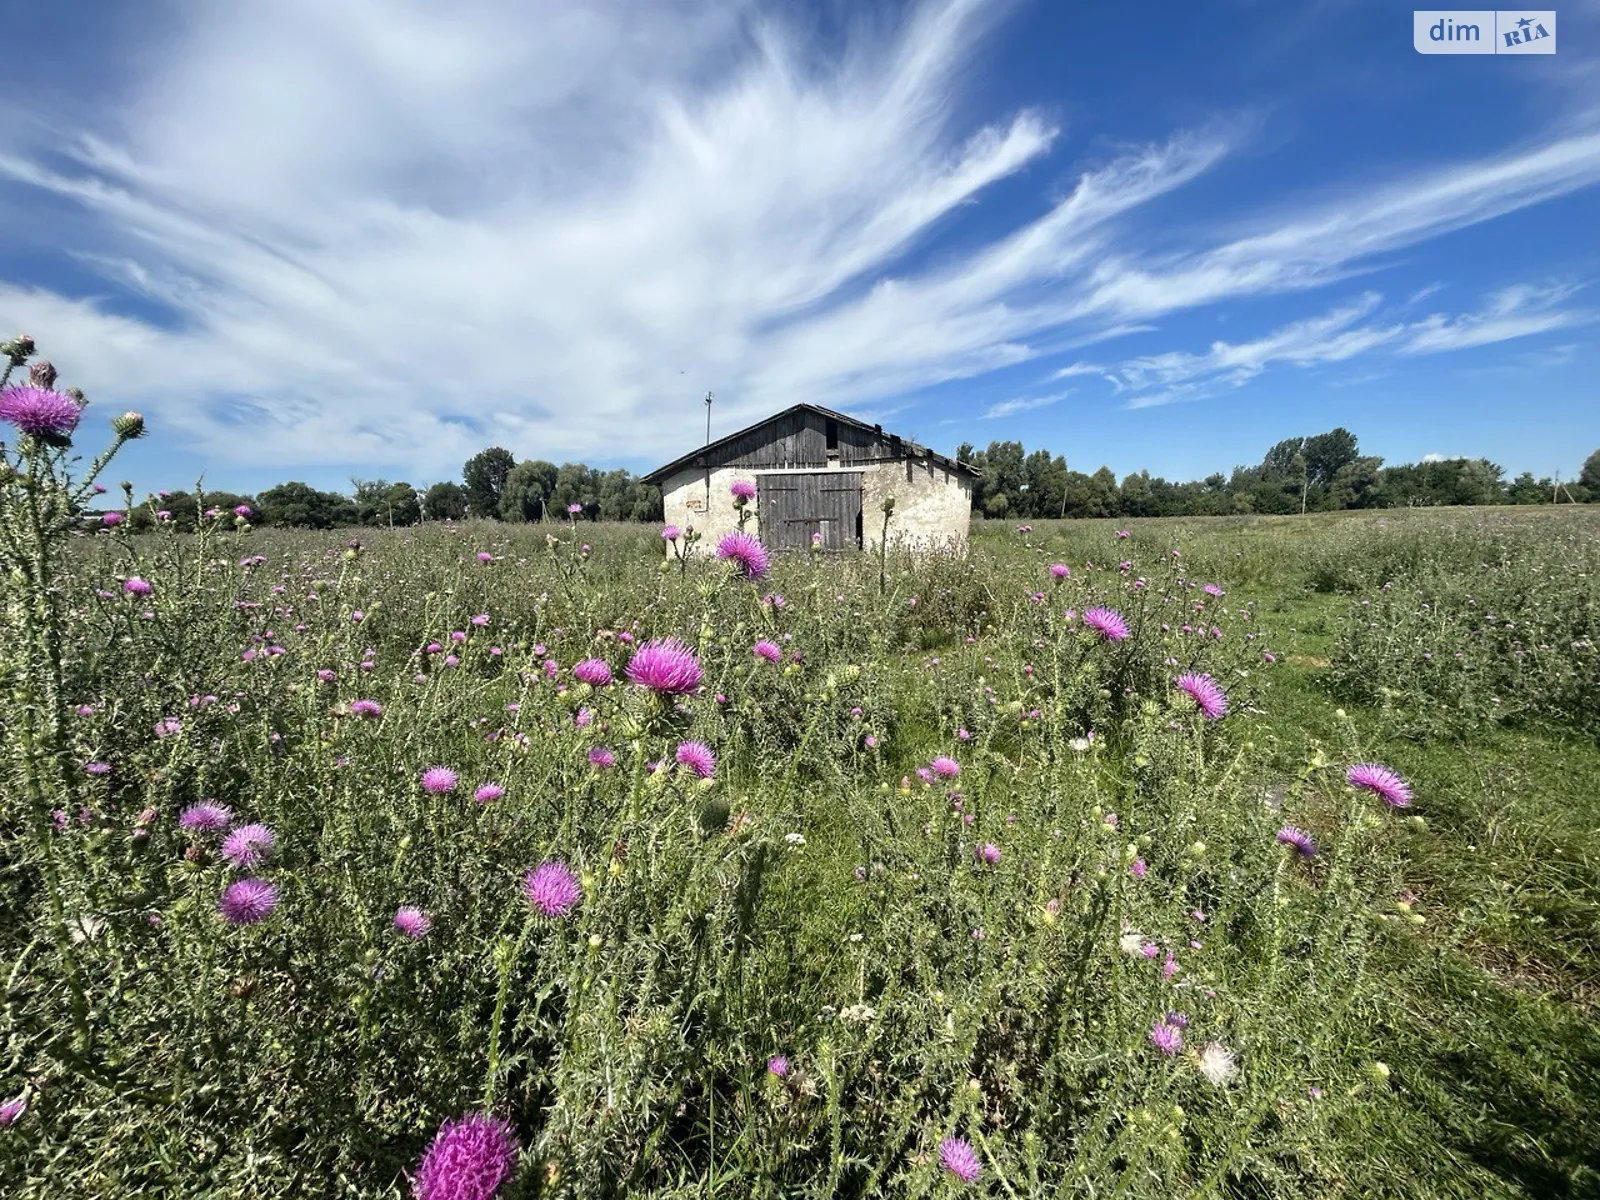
column 792, row 507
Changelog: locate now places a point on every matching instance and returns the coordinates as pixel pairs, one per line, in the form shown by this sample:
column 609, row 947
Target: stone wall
column 933, row 504
column 683, row 501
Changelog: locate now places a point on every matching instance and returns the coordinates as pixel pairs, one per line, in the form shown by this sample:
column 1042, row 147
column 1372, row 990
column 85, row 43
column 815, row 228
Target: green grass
column 1493, row 1020
column 317, row 1052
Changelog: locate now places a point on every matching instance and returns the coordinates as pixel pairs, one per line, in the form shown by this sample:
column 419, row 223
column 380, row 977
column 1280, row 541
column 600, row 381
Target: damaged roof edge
column 913, row 450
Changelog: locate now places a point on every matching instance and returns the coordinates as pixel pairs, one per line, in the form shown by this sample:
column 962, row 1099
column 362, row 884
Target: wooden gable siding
column 800, row 441
column 795, row 440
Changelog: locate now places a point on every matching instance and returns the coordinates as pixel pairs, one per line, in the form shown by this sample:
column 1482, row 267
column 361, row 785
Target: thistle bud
column 77, row 394
column 128, row 426
column 18, row 349
column 42, row 375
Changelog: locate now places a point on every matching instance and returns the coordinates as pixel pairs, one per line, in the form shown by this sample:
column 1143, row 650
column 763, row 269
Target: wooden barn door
column 792, row 507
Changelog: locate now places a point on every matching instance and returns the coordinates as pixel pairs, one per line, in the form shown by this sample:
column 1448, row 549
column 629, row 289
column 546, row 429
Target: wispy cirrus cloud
column 378, row 234
column 1342, row 333
column 1516, row 312
column 1022, row 404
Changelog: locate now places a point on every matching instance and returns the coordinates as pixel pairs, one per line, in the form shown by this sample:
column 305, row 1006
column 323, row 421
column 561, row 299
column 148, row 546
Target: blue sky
column 317, row 239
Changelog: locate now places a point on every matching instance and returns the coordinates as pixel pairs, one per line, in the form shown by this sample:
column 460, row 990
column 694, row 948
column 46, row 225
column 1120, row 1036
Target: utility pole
column 709, row 398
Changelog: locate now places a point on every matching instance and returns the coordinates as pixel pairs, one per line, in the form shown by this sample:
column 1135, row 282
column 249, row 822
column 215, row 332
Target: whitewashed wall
column 933, row 504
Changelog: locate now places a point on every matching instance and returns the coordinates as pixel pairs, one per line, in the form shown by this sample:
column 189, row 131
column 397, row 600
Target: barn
column 818, row 471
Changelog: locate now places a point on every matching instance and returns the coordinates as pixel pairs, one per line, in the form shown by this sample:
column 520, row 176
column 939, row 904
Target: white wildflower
column 795, row 839
column 85, row 927
column 1218, row 1064
column 859, row 1014
column 1131, row 943
column 1079, row 744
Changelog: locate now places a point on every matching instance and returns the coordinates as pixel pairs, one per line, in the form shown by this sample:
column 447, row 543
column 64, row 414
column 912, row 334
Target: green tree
column 303, row 506
column 575, row 484
column 445, row 502
column 1137, row 498
column 1525, row 489
column 370, row 496
column 1047, row 483
column 403, row 505
column 1327, row 452
column 1357, row 484
column 1589, row 477
column 527, row 492
column 485, row 478
column 1280, row 460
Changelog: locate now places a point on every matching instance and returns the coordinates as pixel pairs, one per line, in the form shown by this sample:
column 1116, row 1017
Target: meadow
column 1244, row 857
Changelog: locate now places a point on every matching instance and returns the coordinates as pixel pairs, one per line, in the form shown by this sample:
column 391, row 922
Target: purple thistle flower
column 1203, row 690
column 1211, row 589
column 137, row 587
column 1380, row 781
column 574, row 509
column 248, row 845
column 552, row 888
column 742, row 489
column 11, row 1111
column 98, row 768
column 665, row 666
column 469, row 1159
column 778, row 1065
column 1166, row 1038
column 699, row 758
column 439, row 780
column 412, row 922
column 602, row 757
column 366, row 708
column 592, row 671
column 489, row 793
column 988, row 852
column 1060, row 570
column 40, row 412
column 248, row 901
column 485, row 557
column 767, row 650
column 1107, row 622
column 671, row 533
column 205, row 817
column 1303, row 843
column 746, row 552
column 957, row 1156
column 945, row 767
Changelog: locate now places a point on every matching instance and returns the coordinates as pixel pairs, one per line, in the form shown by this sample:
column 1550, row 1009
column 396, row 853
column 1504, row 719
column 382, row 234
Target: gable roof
column 709, row 450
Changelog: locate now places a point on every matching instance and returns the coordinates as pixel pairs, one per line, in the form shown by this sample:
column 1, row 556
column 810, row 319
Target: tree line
column 1300, row 474
column 493, row 484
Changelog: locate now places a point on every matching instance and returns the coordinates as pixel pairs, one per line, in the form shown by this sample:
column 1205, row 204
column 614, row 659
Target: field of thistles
column 475, row 862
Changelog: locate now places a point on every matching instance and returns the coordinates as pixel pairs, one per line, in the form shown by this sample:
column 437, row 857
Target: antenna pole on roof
column 709, row 398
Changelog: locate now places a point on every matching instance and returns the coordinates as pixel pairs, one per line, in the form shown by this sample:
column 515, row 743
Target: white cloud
column 1434, row 457
column 1342, row 334
column 1513, row 313
column 385, row 235
column 1009, row 408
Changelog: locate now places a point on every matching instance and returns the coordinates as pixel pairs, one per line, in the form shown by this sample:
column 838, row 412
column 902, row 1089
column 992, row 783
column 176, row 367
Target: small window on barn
column 831, row 432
